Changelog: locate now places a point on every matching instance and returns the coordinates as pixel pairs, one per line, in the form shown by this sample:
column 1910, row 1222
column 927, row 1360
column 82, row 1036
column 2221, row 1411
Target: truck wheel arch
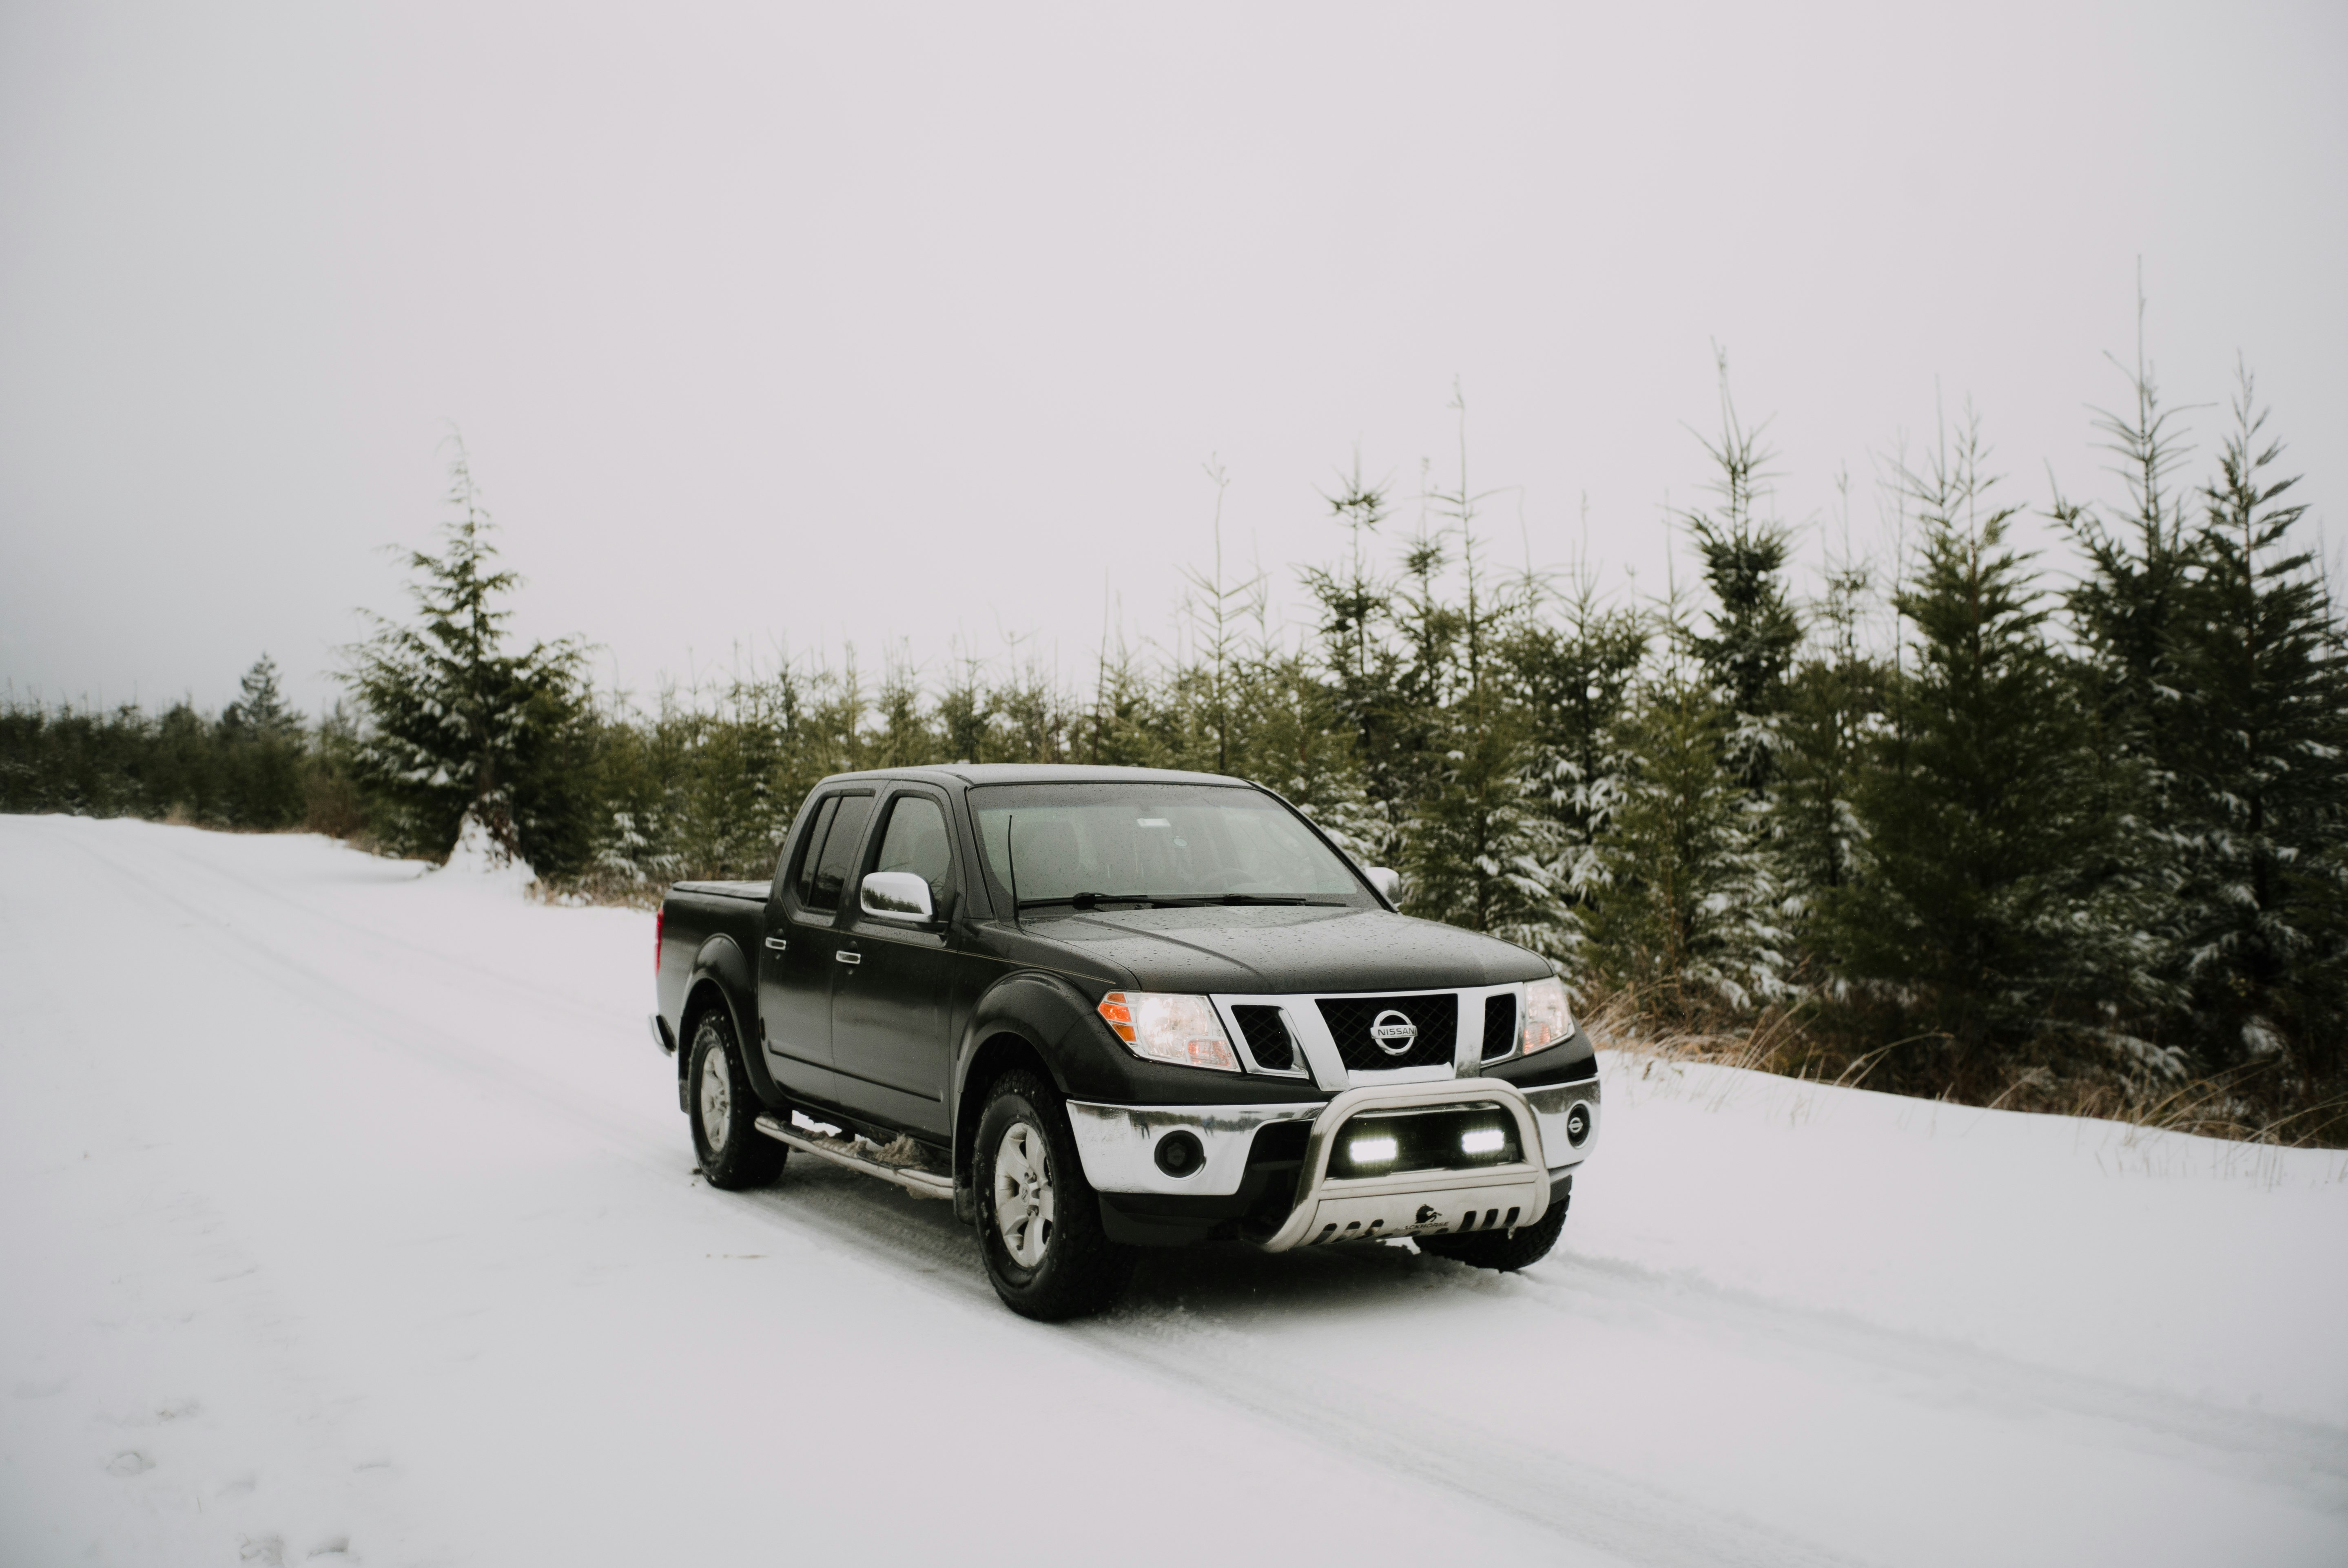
column 720, row 976
column 702, row 993
column 1004, row 1050
column 1024, row 1019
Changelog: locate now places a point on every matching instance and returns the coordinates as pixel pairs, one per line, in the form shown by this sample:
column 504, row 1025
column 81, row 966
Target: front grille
column 1434, row 1016
column 1499, row 1027
column 1267, row 1038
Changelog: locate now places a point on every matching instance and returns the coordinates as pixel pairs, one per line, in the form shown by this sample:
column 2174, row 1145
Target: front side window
column 1161, row 844
column 916, row 841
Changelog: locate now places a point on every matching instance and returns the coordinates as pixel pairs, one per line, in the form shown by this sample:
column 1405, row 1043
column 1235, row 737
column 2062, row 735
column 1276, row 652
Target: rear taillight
column 660, row 922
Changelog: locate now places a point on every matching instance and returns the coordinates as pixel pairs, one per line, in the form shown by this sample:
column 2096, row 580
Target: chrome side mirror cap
column 1386, row 881
column 896, row 895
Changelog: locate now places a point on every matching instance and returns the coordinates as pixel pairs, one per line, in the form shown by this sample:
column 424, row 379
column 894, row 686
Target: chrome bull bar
column 1415, row 1203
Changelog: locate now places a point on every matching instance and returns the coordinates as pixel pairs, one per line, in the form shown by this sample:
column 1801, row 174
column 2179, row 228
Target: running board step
column 920, row 1184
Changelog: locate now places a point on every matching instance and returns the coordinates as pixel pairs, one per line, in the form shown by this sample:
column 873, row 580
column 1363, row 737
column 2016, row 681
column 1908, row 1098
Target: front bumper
column 1118, row 1146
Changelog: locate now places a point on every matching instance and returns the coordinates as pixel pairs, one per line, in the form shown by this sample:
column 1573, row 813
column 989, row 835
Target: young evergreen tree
column 1219, row 613
column 1687, row 913
column 260, row 708
column 1571, row 678
column 1477, row 851
column 1379, row 694
column 263, row 754
column 2261, row 765
column 905, row 738
column 1982, row 904
column 966, row 712
column 457, row 723
column 2128, row 606
column 182, row 777
column 1756, row 628
column 1835, row 700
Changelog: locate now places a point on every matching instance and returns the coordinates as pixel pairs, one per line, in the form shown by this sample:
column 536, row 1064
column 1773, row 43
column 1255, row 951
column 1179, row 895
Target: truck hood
column 1289, row 949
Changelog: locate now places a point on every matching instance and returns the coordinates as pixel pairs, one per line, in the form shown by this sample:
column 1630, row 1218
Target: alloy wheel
column 1022, row 1194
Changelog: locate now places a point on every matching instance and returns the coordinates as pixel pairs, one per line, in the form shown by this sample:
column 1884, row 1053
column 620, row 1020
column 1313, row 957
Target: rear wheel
column 718, row 1099
column 1506, row 1251
column 1039, row 1222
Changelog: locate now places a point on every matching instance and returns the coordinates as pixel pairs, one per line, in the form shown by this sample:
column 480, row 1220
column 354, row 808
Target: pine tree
column 1687, row 911
column 1754, row 627
column 2261, row 753
column 1477, row 852
column 1835, row 700
column 1982, row 904
column 1573, row 682
column 1217, row 615
column 457, row 723
column 263, row 760
column 2128, row 605
column 1377, row 695
column 260, row 708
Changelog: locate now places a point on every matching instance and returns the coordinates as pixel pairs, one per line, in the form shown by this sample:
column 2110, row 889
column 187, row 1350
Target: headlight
column 1547, row 1019
column 1160, row 1027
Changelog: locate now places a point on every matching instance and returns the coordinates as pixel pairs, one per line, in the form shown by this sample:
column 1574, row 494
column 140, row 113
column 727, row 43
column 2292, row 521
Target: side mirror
column 1387, row 882
column 896, row 895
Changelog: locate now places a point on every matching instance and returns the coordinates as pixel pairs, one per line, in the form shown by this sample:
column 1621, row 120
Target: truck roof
column 1041, row 773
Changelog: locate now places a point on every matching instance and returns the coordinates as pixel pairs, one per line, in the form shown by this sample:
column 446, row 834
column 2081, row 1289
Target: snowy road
column 348, row 1211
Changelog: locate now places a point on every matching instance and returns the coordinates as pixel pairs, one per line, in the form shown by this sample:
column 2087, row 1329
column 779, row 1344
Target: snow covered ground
column 347, row 1210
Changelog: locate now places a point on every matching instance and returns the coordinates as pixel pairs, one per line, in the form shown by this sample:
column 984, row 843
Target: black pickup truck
column 1103, row 1009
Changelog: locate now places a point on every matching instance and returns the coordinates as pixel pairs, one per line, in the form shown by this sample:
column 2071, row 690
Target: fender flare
column 1046, row 1015
column 721, row 963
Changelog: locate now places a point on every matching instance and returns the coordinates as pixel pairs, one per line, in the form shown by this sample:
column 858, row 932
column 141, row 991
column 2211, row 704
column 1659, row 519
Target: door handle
column 845, row 957
column 777, row 944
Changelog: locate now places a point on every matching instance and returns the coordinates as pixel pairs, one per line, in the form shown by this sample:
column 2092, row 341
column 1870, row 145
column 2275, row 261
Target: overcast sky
column 769, row 326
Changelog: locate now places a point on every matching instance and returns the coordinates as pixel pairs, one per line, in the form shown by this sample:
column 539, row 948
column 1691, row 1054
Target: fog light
column 1373, row 1151
column 1180, row 1153
column 1483, row 1141
column 1577, row 1125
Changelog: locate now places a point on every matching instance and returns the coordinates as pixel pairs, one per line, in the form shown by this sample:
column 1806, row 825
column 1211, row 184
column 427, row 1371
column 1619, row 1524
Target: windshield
column 1079, row 844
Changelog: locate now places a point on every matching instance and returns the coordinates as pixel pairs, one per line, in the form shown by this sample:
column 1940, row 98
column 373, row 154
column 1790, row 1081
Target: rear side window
column 916, row 842
column 831, row 864
column 812, row 852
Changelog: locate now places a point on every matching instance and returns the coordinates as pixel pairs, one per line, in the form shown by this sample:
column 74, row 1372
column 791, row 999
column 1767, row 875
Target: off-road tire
column 717, row 1090
column 1080, row 1271
column 1506, row 1251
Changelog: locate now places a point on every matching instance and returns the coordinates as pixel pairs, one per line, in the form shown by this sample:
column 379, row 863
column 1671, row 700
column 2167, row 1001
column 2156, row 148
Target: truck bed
column 756, row 892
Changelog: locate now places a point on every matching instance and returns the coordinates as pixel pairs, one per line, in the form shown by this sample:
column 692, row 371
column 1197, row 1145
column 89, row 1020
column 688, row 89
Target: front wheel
column 1039, row 1222
column 733, row 1154
column 1506, row 1251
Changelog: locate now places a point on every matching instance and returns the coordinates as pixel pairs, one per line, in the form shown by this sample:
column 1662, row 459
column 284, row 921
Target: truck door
column 799, row 952
column 890, row 1009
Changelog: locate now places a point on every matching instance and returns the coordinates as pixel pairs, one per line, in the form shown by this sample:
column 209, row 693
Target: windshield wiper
column 1173, row 900
column 1192, row 900
column 1088, row 900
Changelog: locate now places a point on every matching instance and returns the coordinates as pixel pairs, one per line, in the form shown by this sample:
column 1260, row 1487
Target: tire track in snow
column 276, row 900
column 1181, row 1328
column 348, row 1012
column 919, row 1242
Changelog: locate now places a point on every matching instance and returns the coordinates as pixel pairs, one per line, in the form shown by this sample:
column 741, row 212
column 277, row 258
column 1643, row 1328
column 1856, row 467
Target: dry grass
column 1785, row 1042
column 601, row 891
